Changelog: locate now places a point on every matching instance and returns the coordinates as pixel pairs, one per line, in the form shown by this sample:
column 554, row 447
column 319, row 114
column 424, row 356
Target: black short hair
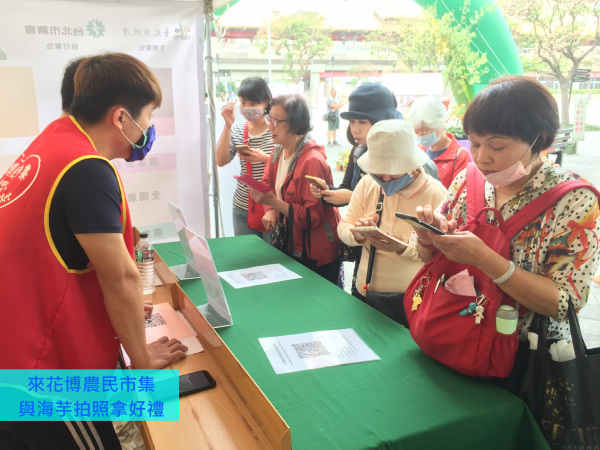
column 67, row 88
column 297, row 113
column 515, row 106
column 256, row 89
column 113, row 79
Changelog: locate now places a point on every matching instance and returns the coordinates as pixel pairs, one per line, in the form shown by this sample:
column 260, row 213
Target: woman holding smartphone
column 253, row 143
column 396, row 182
column 369, row 103
column 311, row 224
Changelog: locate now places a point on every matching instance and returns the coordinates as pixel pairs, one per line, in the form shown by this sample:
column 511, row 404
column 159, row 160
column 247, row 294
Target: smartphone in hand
column 318, row 182
column 417, row 223
column 195, row 382
column 243, row 150
column 378, row 234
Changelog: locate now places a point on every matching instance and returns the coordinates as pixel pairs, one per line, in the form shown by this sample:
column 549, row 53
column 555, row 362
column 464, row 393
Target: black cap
column 143, row 235
column 373, row 102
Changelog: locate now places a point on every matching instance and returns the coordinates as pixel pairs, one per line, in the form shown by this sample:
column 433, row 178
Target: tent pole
column 208, row 20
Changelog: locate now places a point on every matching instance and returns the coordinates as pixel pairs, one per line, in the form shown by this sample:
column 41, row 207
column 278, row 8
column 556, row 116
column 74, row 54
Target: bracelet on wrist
column 426, row 246
column 507, row 274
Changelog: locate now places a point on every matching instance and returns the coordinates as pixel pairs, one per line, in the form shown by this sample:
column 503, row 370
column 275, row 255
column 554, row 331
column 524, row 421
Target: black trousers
column 58, row 435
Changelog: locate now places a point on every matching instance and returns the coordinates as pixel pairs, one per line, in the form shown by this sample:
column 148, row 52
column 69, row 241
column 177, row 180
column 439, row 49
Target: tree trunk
column 564, row 103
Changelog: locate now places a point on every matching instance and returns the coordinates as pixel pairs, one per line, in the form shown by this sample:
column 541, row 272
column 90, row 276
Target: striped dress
column 262, row 142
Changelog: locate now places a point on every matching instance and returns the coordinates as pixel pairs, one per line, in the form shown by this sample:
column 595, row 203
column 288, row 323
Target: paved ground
column 586, row 162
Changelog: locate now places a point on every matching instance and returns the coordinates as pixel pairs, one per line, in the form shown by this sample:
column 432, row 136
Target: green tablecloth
column 405, row 400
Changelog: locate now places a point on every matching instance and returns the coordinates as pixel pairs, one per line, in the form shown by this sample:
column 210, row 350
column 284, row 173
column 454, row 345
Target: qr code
column 310, row 349
column 155, row 320
column 254, row 276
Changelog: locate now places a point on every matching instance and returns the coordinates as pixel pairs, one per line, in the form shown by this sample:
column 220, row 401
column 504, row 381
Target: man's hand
column 148, row 307
column 163, row 352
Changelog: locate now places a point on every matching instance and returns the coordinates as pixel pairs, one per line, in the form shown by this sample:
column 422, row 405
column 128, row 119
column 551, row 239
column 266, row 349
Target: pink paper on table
column 164, row 321
column 461, row 283
column 248, row 180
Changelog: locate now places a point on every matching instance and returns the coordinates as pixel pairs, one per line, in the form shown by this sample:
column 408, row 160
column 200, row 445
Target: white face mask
column 512, row 173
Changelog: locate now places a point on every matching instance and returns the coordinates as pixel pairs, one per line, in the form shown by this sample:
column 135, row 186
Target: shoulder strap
column 454, row 163
column 533, row 209
column 289, row 228
column 379, row 211
column 475, row 193
column 306, row 236
column 247, row 142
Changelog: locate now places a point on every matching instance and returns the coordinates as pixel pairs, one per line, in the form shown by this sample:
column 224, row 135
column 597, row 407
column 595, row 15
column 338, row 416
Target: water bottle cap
column 143, row 235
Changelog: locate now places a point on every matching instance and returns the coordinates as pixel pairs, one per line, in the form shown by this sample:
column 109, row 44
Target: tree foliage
column 299, row 37
column 558, row 35
column 427, row 43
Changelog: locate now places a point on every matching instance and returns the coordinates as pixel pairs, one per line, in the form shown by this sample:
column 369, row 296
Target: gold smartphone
column 243, row 149
column 318, row 182
column 378, row 234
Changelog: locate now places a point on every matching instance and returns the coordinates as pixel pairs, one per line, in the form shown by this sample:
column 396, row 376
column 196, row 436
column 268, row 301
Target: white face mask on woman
column 512, row 173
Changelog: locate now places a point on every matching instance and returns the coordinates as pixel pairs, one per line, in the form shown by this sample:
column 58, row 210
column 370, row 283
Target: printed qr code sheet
column 310, row 349
column 259, row 275
column 254, row 276
column 315, row 350
column 155, row 320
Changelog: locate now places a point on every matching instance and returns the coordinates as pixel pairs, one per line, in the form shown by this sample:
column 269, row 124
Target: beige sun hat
column 392, row 149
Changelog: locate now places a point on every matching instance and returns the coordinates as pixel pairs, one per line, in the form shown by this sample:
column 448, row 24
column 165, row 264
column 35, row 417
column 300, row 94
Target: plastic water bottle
column 144, row 259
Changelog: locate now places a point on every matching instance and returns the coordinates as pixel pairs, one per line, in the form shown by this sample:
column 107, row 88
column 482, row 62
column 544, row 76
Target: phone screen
column 417, row 223
column 195, row 382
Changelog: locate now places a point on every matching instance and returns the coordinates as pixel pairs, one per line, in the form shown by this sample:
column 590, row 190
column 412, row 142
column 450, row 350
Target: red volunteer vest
column 54, row 318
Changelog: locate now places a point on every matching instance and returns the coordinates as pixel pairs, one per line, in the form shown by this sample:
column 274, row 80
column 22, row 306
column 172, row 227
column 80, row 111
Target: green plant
column 454, row 121
column 343, row 157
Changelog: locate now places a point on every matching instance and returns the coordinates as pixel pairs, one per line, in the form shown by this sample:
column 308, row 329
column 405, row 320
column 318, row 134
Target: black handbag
column 329, row 117
column 348, row 252
column 563, row 397
column 282, row 238
column 389, row 303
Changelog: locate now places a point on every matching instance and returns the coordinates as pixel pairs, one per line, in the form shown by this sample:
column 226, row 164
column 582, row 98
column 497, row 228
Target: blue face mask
column 429, row 140
column 143, row 145
column 395, row 185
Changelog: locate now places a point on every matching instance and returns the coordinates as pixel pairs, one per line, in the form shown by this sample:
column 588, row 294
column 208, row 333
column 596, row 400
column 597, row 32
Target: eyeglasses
column 271, row 121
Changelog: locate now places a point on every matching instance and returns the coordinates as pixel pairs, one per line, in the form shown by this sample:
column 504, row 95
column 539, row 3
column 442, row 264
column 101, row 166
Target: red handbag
column 458, row 340
column 256, row 211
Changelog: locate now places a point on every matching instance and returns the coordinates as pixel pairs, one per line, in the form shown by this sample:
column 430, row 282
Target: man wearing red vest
column 70, row 289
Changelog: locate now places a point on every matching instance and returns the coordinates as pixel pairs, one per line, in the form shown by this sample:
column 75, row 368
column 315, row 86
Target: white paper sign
column 255, row 276
column 306, row 351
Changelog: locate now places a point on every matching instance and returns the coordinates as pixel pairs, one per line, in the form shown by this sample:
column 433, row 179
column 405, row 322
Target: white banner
column 41, row 37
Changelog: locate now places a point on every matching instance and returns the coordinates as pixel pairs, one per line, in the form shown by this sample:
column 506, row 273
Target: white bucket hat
column 392, row 149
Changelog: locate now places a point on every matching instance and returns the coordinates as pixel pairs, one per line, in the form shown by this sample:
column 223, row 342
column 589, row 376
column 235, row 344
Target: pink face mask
column 512, row 173
column 252, row 113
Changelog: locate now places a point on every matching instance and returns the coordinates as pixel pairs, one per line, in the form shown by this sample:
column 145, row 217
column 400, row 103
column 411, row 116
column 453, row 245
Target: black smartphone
column 417, row 223
column 195, row 382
